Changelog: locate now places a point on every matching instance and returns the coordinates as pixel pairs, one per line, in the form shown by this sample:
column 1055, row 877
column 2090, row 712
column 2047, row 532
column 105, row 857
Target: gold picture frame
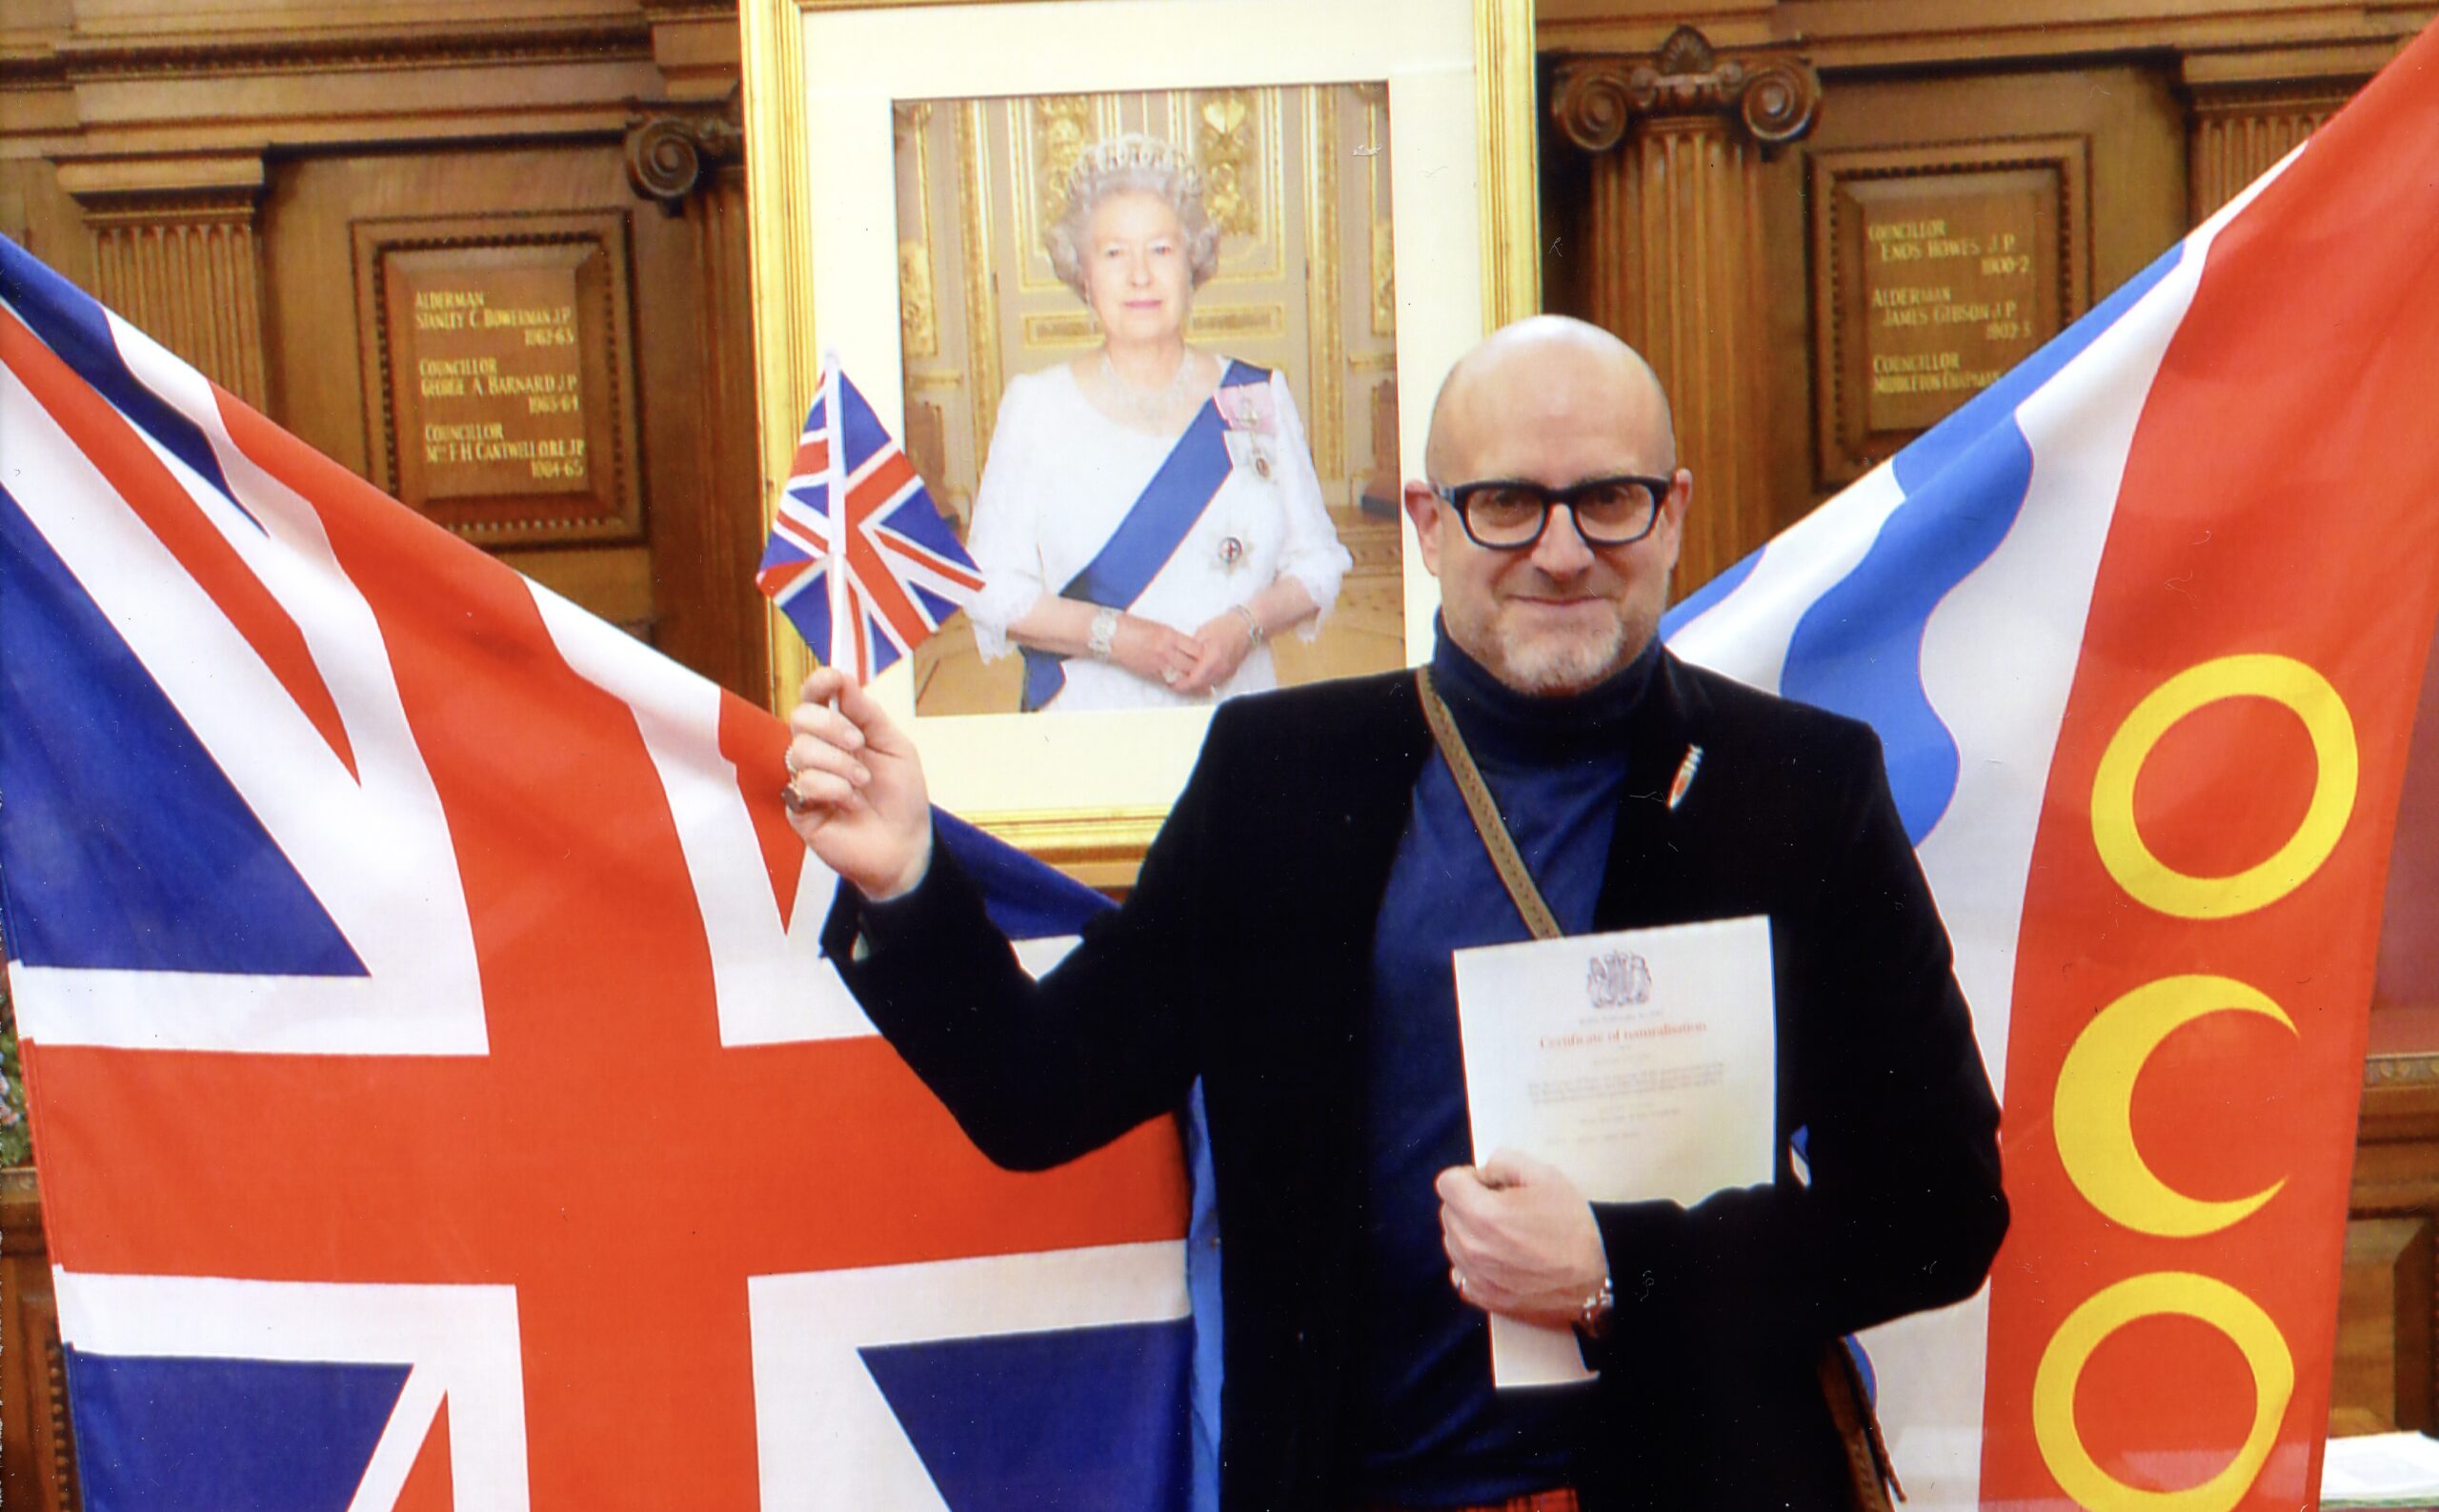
column 1086, row 791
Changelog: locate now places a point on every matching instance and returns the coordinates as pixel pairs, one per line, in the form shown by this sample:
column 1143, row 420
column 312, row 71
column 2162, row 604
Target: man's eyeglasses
column 1509, row 514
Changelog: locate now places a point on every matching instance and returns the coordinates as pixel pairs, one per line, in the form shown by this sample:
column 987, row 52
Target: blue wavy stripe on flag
column 1858, row 648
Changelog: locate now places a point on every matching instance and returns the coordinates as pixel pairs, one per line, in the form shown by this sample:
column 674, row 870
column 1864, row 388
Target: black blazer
column 1244, row 954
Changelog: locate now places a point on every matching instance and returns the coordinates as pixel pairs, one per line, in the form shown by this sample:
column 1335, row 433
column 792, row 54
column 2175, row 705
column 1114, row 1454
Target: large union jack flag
column 905, row 572
column 439, row 1096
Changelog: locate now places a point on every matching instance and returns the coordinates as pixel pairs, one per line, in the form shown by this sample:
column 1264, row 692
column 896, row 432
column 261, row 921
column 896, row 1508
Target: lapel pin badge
column 1684, row 777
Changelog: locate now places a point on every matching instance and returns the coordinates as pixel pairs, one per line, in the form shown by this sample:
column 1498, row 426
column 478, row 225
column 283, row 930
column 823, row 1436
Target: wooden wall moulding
column 1888, row 36
column 2250, row 108
column 38, row 1465
column 2386, row 1374
column 2382, row 1373
column 176, row 251
column 674, row 150
column 1771, row 90
column 1936, row 270
column 500, row 375
column 316, row 45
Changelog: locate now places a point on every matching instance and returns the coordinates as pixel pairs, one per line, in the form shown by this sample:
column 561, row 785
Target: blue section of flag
column 1046, row 1420
column 860, row 429
column 1025, row 898
column 1698, row 602
column 127, row 846
column 933, row 604
column 780, row 554
column 1935, row 448
column 74, row 327
column 866, row 436
column 1859, row 647
column 158, row 1435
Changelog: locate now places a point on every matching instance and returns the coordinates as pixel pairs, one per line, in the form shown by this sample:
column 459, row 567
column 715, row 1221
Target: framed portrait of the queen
column 1156, row 295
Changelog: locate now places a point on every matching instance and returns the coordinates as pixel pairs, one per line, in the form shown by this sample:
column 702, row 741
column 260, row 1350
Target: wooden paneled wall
column 2385, row 1376
column 37, row 1452
column 218, row 181
column 1684, row 146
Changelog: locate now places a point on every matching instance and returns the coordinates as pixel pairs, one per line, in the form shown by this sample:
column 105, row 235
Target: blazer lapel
column 1380, row 798
column 1653, row 852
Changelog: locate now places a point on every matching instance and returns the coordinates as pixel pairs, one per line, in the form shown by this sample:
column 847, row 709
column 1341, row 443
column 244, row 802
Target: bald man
column 1288, row 942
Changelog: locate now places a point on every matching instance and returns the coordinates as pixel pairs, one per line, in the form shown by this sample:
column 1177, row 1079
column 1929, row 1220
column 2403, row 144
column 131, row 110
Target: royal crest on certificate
column 1642, row 1063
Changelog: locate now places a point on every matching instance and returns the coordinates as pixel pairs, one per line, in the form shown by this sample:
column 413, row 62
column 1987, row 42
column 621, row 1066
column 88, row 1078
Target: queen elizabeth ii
column 1149, row 516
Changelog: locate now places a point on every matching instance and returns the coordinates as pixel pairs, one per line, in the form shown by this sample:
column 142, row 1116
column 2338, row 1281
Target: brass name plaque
column 501, row 384
column 1930, row 287
column 497, row 405
column 1951, row 300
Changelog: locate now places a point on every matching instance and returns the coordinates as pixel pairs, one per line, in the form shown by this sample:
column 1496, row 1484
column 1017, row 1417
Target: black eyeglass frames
column 1509, row 514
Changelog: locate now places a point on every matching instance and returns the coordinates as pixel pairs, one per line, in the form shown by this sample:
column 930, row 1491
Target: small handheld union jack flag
column 905, row 570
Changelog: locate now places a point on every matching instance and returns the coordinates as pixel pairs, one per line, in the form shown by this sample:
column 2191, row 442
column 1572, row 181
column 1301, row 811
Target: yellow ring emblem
column 2183, row 1294
column 2151, row 881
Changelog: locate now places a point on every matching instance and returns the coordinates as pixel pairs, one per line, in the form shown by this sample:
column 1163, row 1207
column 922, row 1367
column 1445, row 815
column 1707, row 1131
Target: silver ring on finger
column 789, row 798
column 1170, row 676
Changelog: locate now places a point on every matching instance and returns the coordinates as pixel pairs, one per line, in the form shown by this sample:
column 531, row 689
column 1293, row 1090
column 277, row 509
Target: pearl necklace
column 1142, row 406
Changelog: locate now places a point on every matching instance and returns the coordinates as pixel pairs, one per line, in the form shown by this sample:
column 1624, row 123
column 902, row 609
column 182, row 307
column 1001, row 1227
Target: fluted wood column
column 2240, row 134
column 1676, row 141
column 177, row 252
column 728, row 418
column 689, row 160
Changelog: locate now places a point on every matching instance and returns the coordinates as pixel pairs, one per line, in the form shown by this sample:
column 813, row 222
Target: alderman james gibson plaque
column 1931, row 286
column 501, row 387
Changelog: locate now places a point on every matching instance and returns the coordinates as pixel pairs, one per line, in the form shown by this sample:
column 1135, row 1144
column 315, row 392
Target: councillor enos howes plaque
column 1935, row 275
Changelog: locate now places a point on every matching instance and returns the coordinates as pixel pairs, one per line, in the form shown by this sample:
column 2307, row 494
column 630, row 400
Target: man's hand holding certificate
column 1642, row 1064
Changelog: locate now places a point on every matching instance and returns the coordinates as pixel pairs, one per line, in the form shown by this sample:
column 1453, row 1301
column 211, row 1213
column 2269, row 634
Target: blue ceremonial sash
column 1156, row 525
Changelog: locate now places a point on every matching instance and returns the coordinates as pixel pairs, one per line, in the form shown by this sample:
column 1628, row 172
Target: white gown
column 1061, row 477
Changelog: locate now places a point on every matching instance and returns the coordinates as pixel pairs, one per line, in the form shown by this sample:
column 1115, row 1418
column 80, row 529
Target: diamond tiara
column 1114, row 153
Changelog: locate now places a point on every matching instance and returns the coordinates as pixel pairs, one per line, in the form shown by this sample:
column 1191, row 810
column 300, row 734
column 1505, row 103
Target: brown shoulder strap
column 1487, row 823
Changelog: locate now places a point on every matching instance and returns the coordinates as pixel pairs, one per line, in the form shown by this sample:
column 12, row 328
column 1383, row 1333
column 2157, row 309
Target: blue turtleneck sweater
column 1429, row 1429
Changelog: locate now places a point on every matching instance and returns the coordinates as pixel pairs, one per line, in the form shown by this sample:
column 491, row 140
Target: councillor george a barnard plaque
column 498, row 380
column 1936, row 271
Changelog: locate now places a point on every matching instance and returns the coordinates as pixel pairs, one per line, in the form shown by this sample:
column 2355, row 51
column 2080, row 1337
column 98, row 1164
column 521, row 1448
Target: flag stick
column 835, row 491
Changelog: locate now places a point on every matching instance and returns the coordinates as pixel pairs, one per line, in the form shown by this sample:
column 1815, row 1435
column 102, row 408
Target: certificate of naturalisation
column 1642, row 1063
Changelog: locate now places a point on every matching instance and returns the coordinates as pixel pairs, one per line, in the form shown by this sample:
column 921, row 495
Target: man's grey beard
column 1556, row 671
